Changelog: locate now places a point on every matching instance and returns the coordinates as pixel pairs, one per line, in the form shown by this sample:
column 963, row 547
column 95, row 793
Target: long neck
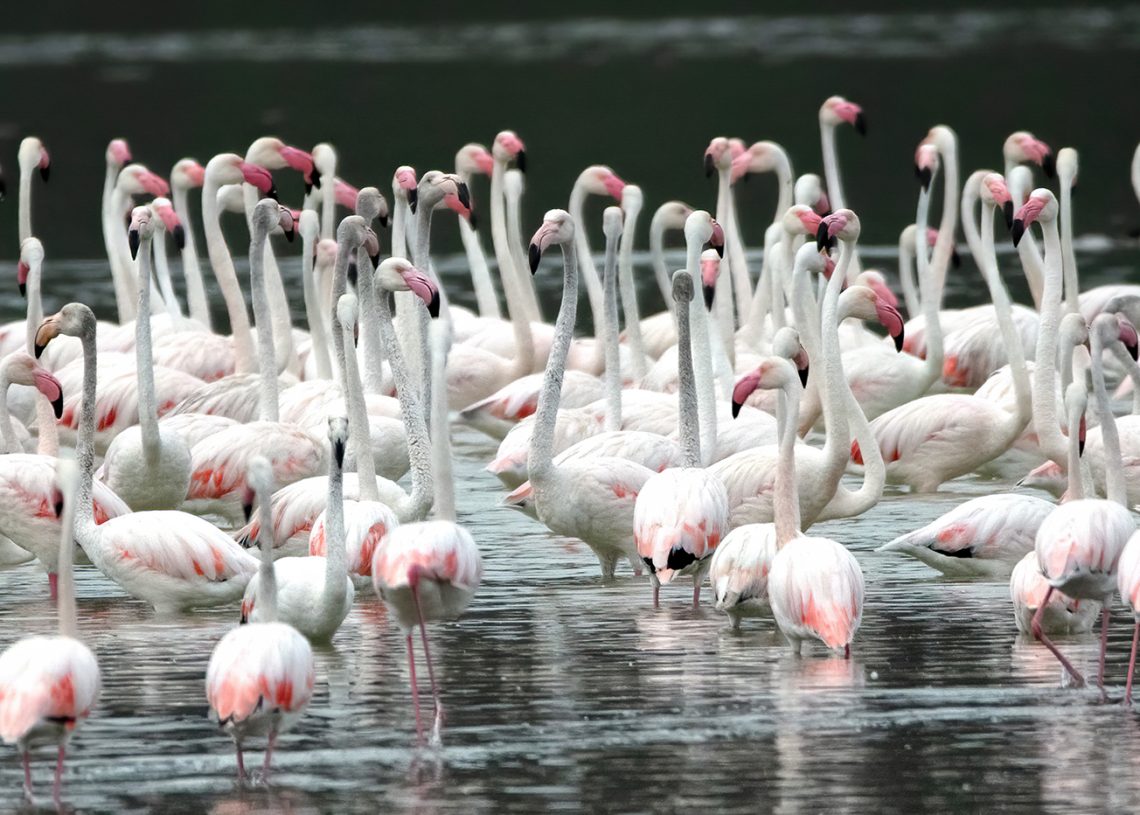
column 336, row 557
column 734, row 255
column 1045, row 420
column 1031, row 260
column 785, row 503
column 359, row 426
column 440, row 426
column 629, row 294
column 540, row 459
column 320, row 349
column 162, row 273
column 223, row 267
column 970, row 195
column 702, row 355
column 1116, row 488
column 930, row 293
column 850, row 503
column 906, row 272
column 786, row 180
column 266, row 356
column 124, row 301
column 831, row 167
column 609, row 330
column 687, row 388
column 85, row 440
column 523, row 280
column 400, row 212
column 522, row 303
column 266, row 575
column 585, row 259
column 837, row 445
column 11, row 443
column 944, row 245
column 369, row 324
column 657, row 254
column 741, row 288
column 144, row 360
column 65, row 575
column 25, row 204
column 1068, row 255
column 191, row 269
column 35, row 303
column 499, row 241
column 48, row 442
column 328, row 204
column 274, row 293
column 769, row 289
column 481, row 282
column 411, row 408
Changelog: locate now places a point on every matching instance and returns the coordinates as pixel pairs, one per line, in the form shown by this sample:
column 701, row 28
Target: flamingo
column 260, row 676
column 429, row 570
column 681, row 513
column 188, row 175
column 1080, row 543
column 472, row 159
column 117, row 156
column 658, row 331
column 591, row 500
column 815, row 586
column 18, row 368
column 31, row 156
column 147, row 465
column 835, row 111
column 49, row 685
column 167, row 558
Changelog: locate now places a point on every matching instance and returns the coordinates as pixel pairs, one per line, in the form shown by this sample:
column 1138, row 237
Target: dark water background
column 564, row 694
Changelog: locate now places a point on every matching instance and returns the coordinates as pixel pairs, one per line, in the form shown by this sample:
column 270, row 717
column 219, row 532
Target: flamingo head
column 718, row 155
column 557, row 228
column 682, row 286
column 761, row 157
column 925, row 164
column 135, row 179
column 338, row 430
column 474, row 159
column 398, row 274
column 1041, row 205
column 230, row 168
column 436, row 187
column 801, row 219
column 168, row 220
column 187, row 174
column 867, row 303
column 21, row 369
column 672, row 215
column 141, row 228
column 809, row 190
column 632, row 199
column 598, row 179
column 404, row 183
column 74, row 320
column 994, row 192
column 371, row 204
column 32, row 153
column 710, row 273
column 836, row 110
column 842, row 224
column 1127, row 335
column 1023, row 146
column 1068, row 166
column 702, row 228
column 118, row 153
column 509, row 146
column 774, row 372
column 267, row 214
column 273, row 154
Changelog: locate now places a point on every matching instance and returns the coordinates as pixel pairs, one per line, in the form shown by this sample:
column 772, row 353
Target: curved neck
column 1045, row 420
column 336, row 557
column 582, row 249
column 68, row 618
column 25, row 205
column 906, row 275
column 629, row 294
column 657, row 254
column 283, row 355
column 944, row 245
column 369, row 324
column 266, row 358
column 85, row 439
column 35, row 304
column 223, row 267
column 522, row 302
column 1116, row 488
column 1031, row 261
column 609, row 330
column 124, row 301
column 524, row 282
column 837, row 445
column 931, row 295
column 540, row 457
column 740, row 289
column 687, row 417
column 165, row 286
column 328, row 205
column 702, row 355
column 970, row 193
column 144, row 360
column 196, row 300
column 733, row 255
column 400, row 213
column 317, row 330
column 48, row 442
column 1068, row 255
column 785, row 501
column 360, row 431
column 503, row 256
column 440, row 426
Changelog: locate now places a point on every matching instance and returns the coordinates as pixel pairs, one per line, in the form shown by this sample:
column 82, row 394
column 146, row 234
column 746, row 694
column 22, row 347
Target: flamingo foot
column 1078, row 680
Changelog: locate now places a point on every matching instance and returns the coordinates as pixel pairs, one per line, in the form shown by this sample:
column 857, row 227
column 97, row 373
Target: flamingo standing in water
column 681, row 513
column 260, row 677
column 48, row 685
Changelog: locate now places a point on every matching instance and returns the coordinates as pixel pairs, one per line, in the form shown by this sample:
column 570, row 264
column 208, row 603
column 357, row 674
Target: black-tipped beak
column 180, row 237
column 23, row 290
column 57, row 405
column 375, row 260
column 1049, row 165
column 736, row 406
column 520, row 161
column 308, row 186
column 822, row 239
column 45, row 173
column 1007, row 211
column 710, row 167
column 247, row 510
column 535, row 256
column 710, row 293
column 290, row 233
column 315, row 182
column 861, row 124
column 352, row 273
column 338, row 453
column 433, row 306
column 804, row 375
column 413, row 199
column 899, row 340
column 58, row 506
column 471, row 222
column 384, row 220
column 1017, row 230
column 39, row 349
column 924, row 175
column 955, row 258
column 133, row 241
column 3, row 188
column 1133, row 351
column 464, row 195
column 272, row 193
column 719, row 250
column 1081, row 446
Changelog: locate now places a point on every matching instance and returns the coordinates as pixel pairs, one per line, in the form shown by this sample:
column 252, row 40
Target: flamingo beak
column 822, row 239
column 464, row 195
column 1048, row 164
column 180, row 237
column 338, row 453
column 22, row 271
column 710, row 165
column 413, row 199
column 861, row 123
column 247, row 504
column 710, row 294
column 1017, row 230
column 924, row 176
column 535, row 256
column 1007, row 211
column 520, row 161
column 133, row 241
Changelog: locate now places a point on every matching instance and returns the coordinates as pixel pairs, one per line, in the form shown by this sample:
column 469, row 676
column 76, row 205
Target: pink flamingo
column 681, row 513
column 48, row 685
column 260, row 677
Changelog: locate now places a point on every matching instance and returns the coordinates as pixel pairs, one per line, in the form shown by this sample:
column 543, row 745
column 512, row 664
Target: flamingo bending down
column 260, row 677
column 48, row 685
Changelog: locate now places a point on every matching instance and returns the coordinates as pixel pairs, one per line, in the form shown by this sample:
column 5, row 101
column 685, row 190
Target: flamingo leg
column 1104, row 615
column 415, row 690
column 53, row 585
column 269, row 755
column 431, row 669
column 1048, row 643
column 696, row 590
column 656, row 594
column 1132, row 663
column 240, row 762
column 28, row 777
column 57, row 787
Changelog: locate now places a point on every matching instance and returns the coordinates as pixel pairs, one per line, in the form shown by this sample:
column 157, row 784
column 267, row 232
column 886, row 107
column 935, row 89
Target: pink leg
column 696, row 591
column 1104, row 615
column 268, row 755
column 53, row 585
column 847, row 651
column 57, row 787
column 431, row 668
column 1132, row 663
column 1078, row 680
column 415, row 690
column 240, row 762
column 28, row 777
column 656, row 593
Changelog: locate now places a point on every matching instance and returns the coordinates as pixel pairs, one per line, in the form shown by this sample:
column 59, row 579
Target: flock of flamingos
column 165, row 451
